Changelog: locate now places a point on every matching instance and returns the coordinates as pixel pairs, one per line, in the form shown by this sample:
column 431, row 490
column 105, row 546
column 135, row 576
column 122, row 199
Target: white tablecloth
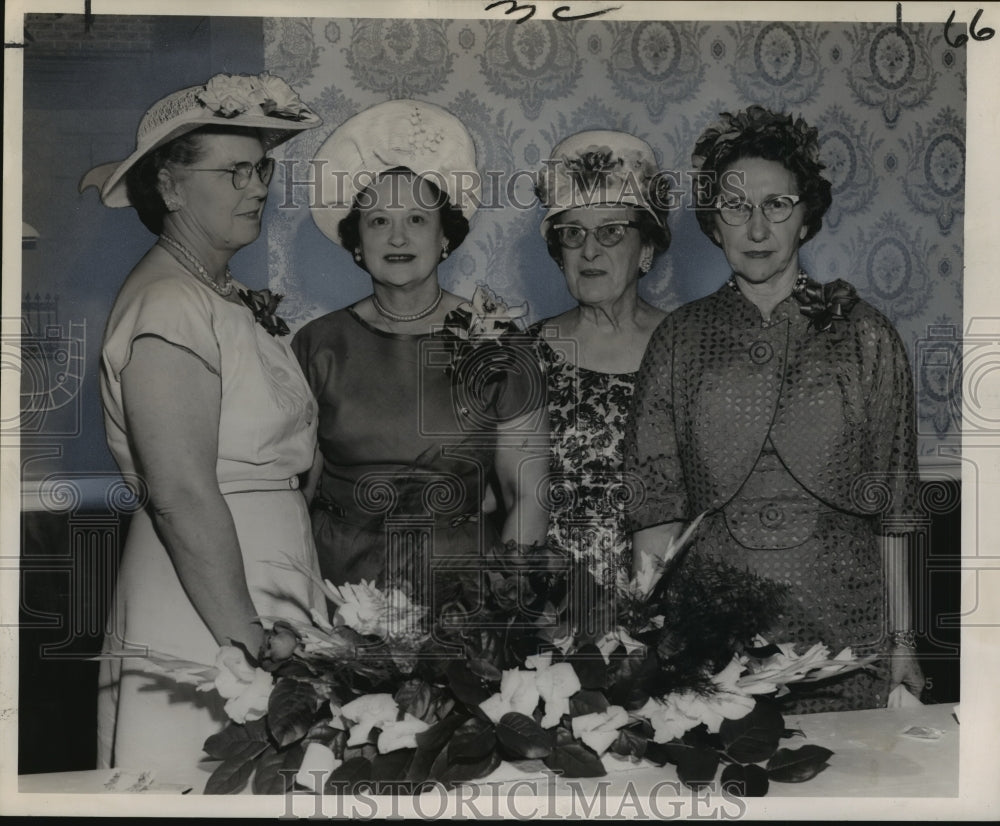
column 872, row 757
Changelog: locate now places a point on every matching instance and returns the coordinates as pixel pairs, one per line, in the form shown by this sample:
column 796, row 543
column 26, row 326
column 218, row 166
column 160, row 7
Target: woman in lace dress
column 783, row 409
column 603, row 231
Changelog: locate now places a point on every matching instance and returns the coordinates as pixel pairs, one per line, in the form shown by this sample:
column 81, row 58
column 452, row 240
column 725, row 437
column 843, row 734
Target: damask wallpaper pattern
column 889, row 103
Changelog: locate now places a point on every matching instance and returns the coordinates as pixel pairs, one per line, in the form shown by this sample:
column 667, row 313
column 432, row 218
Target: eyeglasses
column 242, row 171
column 573, row 236
column 776, row 209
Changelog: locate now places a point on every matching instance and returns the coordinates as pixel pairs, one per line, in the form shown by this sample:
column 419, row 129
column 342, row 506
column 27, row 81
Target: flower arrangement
column 675, row 670
column 264, row 305
column 232, row 95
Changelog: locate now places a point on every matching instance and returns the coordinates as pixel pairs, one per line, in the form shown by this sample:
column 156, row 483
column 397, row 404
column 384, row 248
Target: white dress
column 267, row 435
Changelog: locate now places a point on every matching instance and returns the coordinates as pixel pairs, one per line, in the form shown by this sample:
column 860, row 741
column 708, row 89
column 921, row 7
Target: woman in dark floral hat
column 783, row 409
column 206, row 405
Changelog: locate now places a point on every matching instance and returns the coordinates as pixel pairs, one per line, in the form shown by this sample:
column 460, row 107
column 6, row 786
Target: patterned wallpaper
column 889, row 103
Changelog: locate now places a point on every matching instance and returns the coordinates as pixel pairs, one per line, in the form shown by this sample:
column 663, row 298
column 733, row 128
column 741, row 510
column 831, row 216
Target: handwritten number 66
column 984, row 33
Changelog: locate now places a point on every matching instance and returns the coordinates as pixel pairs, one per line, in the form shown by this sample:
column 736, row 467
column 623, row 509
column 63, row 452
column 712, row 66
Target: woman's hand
column 904, row 669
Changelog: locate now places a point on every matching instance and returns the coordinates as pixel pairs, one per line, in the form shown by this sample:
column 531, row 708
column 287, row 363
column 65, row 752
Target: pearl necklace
column 198, row 269
column 382, row 311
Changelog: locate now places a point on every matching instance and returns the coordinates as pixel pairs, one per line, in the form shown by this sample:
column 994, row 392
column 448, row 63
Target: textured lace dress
column 799, row 443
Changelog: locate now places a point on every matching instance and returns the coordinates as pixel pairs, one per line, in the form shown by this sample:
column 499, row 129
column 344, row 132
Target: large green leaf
column 797, row 765
column 473, row 740
column 448, row 773
column 754, row 737
column 590, row 668
column 414, row 697
column 522, row 737
column 437, row 736
column 231, row 776
column 392, row 766
column 465, row 685
column 291, row 711
column 631, row 742
column 573, row 759
column 275, row 772
column 587, row 702
column 696, row 767
column 234, row 738
column 744, row 781
column 348, row 774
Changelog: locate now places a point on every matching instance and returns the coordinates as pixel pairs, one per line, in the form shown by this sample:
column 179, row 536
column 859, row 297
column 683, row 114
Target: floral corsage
column 823, row 304
column 482, row 321
column 263, row 304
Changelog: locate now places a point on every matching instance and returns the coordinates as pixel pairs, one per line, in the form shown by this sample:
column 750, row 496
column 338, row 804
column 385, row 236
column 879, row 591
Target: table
column 872, row 758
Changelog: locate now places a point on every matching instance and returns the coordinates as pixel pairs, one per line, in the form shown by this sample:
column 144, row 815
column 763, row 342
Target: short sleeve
column 168, row 309
column 652, row 460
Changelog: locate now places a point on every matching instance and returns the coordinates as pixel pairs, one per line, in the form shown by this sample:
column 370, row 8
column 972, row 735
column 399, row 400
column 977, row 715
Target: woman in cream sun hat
column 206, row 404
column 407, row 399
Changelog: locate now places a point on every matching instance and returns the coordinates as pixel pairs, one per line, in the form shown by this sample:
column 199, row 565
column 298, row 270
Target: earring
column 357, row 254
column 171, row 203
column 646, row 262
column 444, row 252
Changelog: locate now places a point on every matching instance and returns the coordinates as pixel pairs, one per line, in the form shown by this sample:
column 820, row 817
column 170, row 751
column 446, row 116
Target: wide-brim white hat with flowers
column 264, row 102
column 422, row 137
column 596, row 168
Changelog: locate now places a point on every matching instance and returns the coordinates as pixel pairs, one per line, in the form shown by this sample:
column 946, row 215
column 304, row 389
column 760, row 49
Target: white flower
column 714, row 708
column 247, row 689
column 491, row 315
column 778, row 670
column 600, row 728
column 668, row 721
column 276, row 97
column 556, row 685
column 518, row 692
column 317, row 764
column 400, row 734
column 367, row 712
column 359, row 607
column 610, row 641
column 538, row 662
column 228, row 95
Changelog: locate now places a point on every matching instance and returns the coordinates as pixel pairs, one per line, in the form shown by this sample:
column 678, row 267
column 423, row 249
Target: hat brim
column 109, row 178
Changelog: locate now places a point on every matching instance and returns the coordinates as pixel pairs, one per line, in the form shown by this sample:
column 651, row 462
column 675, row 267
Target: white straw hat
column 263, row 102
column 422, row 137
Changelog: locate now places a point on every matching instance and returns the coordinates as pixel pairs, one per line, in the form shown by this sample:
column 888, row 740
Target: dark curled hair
column 650, row 232
column 454, row 224
column 142, row 180
column 757, row 132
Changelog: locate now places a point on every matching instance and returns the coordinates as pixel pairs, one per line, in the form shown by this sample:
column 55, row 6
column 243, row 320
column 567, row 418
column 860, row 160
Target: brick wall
column 69, row 34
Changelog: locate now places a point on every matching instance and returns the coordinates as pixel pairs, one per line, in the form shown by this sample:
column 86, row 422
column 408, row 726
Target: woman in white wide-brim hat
column 205, row 403
column 603, row 226
column 423, row 397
